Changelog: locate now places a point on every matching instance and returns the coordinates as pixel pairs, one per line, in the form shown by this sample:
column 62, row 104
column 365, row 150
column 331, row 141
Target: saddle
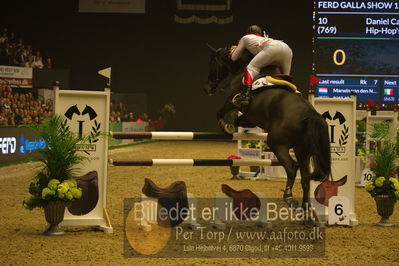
column 264, row 82
column 173, row 196
column 328, row 189
column 89, row 185
column 279, row 80
column 243, row 201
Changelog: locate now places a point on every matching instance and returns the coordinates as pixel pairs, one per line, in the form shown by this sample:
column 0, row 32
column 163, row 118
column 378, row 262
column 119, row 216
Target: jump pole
column 164, row 135
column 194, row 162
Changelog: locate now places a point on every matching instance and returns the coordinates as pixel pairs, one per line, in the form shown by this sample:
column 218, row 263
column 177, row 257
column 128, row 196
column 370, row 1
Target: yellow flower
column 369, row 186
column 46, row 193
column 379, row 181
column 394, row 180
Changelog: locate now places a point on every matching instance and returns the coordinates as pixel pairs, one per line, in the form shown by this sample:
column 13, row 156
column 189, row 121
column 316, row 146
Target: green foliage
column 59, row 160
column 385, row 162
column 61, row 154
column 386, row 153
column 361, row 126
column 168, row 111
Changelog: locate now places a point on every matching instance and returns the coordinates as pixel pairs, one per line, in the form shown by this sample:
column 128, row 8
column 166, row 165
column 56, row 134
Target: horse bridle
column 220, row 65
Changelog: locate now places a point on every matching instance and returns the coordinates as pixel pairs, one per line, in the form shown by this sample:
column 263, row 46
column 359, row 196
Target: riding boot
column 244, row 97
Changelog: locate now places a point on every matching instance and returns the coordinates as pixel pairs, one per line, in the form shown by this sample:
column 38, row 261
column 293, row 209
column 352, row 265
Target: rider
column 266, row 52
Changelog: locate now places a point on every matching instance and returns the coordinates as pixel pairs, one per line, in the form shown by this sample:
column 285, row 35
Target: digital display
column 356, row 49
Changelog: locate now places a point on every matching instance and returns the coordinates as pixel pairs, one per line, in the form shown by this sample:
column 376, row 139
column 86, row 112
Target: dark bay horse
column 290, row 121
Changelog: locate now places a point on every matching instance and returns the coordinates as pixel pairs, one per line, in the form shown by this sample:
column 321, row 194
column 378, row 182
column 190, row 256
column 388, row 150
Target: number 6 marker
column 338, row 210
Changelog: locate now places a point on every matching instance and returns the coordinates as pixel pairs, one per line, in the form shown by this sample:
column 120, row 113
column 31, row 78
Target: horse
column 290, row 121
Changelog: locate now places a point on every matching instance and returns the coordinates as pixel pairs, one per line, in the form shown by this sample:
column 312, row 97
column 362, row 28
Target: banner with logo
column 340, row 115
column 204, row 12
column 16, row 76
column 112, row 6
column 19, row 143
column 133, row 127
column 87, row 113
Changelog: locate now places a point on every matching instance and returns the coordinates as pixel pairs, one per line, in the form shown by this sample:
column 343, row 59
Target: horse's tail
column 318, row 146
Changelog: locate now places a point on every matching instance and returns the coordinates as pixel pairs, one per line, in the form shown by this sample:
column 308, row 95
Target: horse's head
column 220, row 67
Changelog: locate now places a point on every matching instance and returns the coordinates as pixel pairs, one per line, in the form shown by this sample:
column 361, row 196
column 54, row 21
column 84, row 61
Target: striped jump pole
column 195, row 162
column 159, row 135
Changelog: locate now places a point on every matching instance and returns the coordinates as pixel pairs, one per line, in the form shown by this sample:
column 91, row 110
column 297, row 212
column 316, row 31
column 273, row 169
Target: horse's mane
column 236, row 66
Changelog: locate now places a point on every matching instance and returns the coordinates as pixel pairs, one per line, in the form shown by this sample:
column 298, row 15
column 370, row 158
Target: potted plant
column 383, row 186
column 52, row 188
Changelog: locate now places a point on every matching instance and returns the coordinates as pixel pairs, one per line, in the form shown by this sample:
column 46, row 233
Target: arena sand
column 21, row 241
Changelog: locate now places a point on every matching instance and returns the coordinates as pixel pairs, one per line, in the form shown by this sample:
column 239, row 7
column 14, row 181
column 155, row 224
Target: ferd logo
column 8, row 145
column 27, row 146
column 341, row 128
column 74, row 115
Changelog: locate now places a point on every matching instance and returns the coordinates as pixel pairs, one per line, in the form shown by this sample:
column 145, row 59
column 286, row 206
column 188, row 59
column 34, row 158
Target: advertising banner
column 16, row 76
column 18, row 143
column 112, row 6
column 133, row 127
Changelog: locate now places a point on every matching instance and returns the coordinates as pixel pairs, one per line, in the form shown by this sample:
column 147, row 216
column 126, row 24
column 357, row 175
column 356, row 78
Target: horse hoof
column 229, row 128
column 293, row 204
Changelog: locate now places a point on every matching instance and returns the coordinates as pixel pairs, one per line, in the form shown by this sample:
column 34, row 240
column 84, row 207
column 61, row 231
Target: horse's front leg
column 229, row 128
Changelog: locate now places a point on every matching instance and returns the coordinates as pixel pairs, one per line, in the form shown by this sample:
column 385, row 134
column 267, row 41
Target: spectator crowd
column 21, row 108
column 18, row 108
column 119, row 113
column 16, row 52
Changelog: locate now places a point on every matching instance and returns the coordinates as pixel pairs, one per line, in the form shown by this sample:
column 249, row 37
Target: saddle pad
column 270, row 81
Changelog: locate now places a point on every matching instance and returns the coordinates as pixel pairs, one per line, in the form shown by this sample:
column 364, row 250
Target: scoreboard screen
column 356, row 49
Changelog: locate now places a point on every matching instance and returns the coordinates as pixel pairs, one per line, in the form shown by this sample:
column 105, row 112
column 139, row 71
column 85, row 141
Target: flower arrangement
column 360, row 152
column 383, row 186
column 66, row 191
column 59, row 159
column 168, row 111
column 383, row 163
column 252, row 144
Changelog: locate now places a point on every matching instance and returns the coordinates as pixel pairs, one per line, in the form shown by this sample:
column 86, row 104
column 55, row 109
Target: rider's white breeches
column 274, row 53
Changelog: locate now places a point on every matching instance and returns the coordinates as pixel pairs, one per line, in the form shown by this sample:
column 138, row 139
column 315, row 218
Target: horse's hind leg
column 304, row 162
column 290, row 166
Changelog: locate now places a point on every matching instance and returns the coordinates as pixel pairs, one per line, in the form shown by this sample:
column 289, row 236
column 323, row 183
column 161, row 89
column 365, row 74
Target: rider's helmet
column 254, row 29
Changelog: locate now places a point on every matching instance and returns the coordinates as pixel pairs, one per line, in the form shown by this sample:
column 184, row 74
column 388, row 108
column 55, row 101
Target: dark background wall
column 150, row 53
